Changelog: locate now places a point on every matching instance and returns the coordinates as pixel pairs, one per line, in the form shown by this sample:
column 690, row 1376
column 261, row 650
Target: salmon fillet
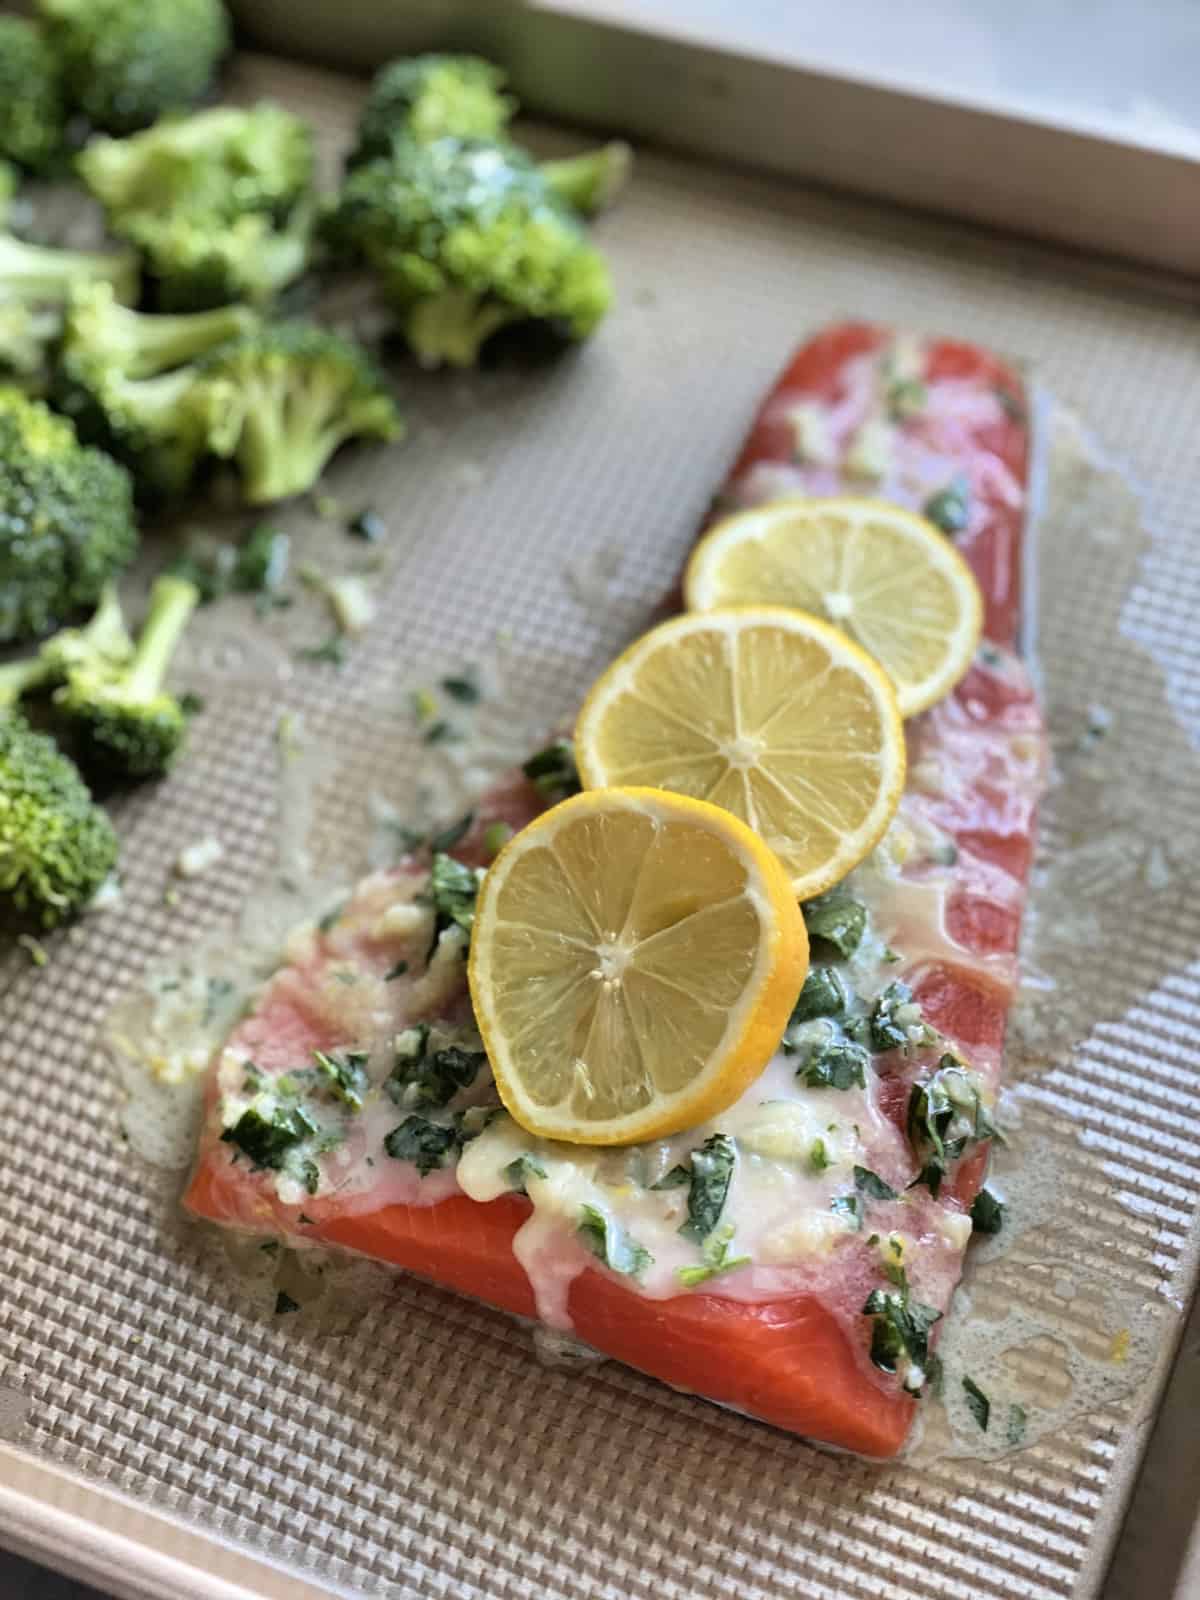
column 353, row 1107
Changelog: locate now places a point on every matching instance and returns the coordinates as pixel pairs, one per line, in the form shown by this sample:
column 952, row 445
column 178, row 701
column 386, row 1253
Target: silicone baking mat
column 406, row 1442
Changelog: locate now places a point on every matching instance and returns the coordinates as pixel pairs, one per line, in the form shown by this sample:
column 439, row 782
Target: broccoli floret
column 468, row 237
column 56, row 845
column 125, row 724
column 218, row 203
column 230, row 161
column 123, row 378
column 66, row 519
column 295, row 393
column 33, row 116
column 104, row 642
column 591, row 181
column 432, row 97
column 35, row 281
column 126, row 62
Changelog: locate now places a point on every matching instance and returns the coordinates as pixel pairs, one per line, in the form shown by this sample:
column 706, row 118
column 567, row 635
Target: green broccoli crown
column 228, row 162
column 125, row 724
column 32, row 114
column 56, row 845
column 468, row 237
column 126, row 62
column 432, row 97
column 294, row 393
column 200, row 261
column 66, row 519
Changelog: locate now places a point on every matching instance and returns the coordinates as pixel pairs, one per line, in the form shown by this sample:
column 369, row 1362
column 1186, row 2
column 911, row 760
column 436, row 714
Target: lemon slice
column 768, row 712
column 886, row 576
column 635, row 956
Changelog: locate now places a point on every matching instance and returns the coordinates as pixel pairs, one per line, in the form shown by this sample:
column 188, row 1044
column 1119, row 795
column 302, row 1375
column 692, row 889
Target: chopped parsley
column 825, row 994
column 837, row 919
column 818, row 1156
column 678, row 1178
column 978, row 1403
column 893, row 1013
column 950, row 508
column 441, row 732
column 422, row 1079
column 428, row 1145
column 871, row 1186
column 900, row 1335
column 495, row 836
column 331, row 917
column 987, row 1212
column 612, row 1245
column 464, row 688
column 834, row 1064
column 553, row 772
column 395, row 972
column 717, row 1259
column 518, row 1173
column 268, row 1133
column 906, row 398
column 1015, row 1431
column 946, row 1115
column 711, row 1174
column 345, row 1076
column 285, row 1304
column 452, row 890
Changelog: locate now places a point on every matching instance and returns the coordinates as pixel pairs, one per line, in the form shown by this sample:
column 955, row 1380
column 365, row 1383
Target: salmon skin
column 352, row 1106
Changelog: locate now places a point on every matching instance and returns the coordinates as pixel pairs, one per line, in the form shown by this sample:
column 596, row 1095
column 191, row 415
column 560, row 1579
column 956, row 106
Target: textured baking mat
column 411, row 1443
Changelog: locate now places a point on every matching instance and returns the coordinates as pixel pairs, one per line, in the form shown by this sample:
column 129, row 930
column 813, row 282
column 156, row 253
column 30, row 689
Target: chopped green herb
column 397, row 971
column 553, row 772
column 892, row 1253
column 495, row 836
column 452, row 891
column 825, row 994
column 849, row 1207
column 711, row 1174
column 428, row 1145
column 424, row 705
column 367, row 525
column 433, row 1080
column 818, row 1156
column 518, row 1173
column 950, row 508
column 834, row 1064
column 946, row 1115
column 900, row 1335
column 284, row 1304
column 309, row 1175
column 1015, row 1431
column 978, row 1403
column 463, row 688
column 1010, row 403
column 331, row 917
column 838, row 919
column 871, row 1186
column 308, row 1222
column 267, row 1135
column 610, row 1243
column 471, row 1122
column 441, row 732
column 678, row 1178
column 987, row 1212
column 892, row 1014
column 717, row 1259
column 449, row 837
column 345, row 1076
column 333, row 651
column 216, row 992
column 945, row 854
column 270, row 1247
column 989, row 655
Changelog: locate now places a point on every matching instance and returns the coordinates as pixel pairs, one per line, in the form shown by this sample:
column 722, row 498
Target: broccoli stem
column 172, row 601
column 33, row 272
column 450, row 327
column 17, row 678
column 592, row 180
column 157, row 343
column 106, row 633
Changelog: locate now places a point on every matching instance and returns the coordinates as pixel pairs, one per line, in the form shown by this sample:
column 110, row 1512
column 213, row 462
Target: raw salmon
column 937, row 425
